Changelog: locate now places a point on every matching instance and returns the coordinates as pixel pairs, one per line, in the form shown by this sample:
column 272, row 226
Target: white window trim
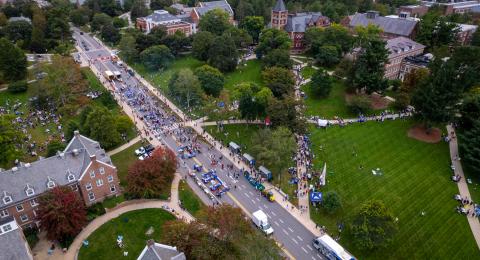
column 114, row 188
column 4, row 213
column 101, row 170
column 24, row 215
column 50, row 184
column 92, row 174
column 99, row 181
column 33, row 203
column 30, row 192
column 9, row 198
column 16, row 207
column 88, row 185
column 110, row 178
column 7, row 228
column 91, row 198
column 70, row 177
column 74, row 187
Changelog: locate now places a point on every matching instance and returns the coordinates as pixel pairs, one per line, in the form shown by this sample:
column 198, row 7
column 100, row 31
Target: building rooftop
column 399, row 26
column 399, row 45
column 204, row 7
column 156, row 251
column 279, row 6
column 421, row 60
column 12, row 242
column 299, row 22
column 160, row 16
column 20, row 18
column 28, row 180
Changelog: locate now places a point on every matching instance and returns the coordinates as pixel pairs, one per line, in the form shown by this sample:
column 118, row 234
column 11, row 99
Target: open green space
column 123, row 160
column 329, row 107
column 415, row 178
column 134, row 226
column 242, row 135
column 190, row 201
column 307, row 72
column 250, row 72
column 470, row 174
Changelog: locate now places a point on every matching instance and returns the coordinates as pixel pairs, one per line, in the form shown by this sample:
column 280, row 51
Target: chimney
column 76, row 133
column 93, row 157
column 75, row 152
column 150, row 242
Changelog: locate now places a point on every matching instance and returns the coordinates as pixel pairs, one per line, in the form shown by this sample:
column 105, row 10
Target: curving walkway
column 125, row 146
column 462, row 184
column 41, row 249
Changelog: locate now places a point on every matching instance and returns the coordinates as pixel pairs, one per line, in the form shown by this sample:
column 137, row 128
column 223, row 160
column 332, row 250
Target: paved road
column 289, row 232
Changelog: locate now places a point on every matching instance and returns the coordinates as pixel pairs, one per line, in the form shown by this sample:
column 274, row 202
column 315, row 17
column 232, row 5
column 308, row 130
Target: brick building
column 296, row 24
column 413, row 10
column 454, row 6
column 83, row 166
column 203, row 7
column 172, row 23
column 412, row 63
column 400, row 48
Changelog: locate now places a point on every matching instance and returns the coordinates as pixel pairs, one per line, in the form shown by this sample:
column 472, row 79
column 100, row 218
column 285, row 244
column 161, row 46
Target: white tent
column 322, row 122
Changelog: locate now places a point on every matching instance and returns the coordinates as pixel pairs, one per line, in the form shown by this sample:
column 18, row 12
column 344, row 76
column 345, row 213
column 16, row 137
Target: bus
column 331, row 249
column 109, row 75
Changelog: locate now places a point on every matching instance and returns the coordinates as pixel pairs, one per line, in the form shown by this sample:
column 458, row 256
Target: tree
column 9, row 138
column 13, row 62
column 327, row 56
column 80, row 16
column 127, row 47
column 53, row 147
column 160, row 4
column 215, row 21
column 37, row 42
column 19, row 30
column 274, row 149
column 110, row 34
column 279, row 80
column 139, row 9
column 223, row 54
column 287, row 112
column 277, row 58
column 211, row 80
column 253, row 25
column 321, row 84
column 100, row 125
column 3, row 19
column 176, row 42
column 152, row 177
column 469, row 111
column 156, row 57
column 335, row 35
column 61, row 214
column 475, row 39
column 435, row 30
column 253, row 100
column 18, row 86
column 184, row 86
column 202, row 42
column 368, row 70
column 271, row 39
column 239, row 36
column 57, row 23
column 100, row 20
column 373, row 226
column 119, row 22
column 414, row 79
column 359, row 104
column 470, row 146
column 229, row 222
column 331, row 202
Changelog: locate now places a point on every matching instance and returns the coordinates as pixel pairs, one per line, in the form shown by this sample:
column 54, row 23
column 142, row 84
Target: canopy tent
column 315, row 196
column 235, row 147
column 323, row 176
column 265, row 172
column 249, row 158
column 322, row 122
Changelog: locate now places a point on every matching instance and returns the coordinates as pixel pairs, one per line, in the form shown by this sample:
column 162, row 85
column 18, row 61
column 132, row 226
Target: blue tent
column 315, row 196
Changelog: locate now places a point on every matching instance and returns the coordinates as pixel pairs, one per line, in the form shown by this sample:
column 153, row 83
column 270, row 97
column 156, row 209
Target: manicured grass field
column 160, row 79
column 329, row 107
column 252, row 72
column 133, row 227
column 244, row 140
column 307, row 72
column 191, row 202
column 416, row 178
column 123, row 160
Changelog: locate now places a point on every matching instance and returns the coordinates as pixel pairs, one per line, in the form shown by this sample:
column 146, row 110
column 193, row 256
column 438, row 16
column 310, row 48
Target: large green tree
column 253, row 100
column 139, row 9
column 223, row 53
column 9, row 138
column 13, row 62
column 185, row 87
column 100, row 125
column 19, row 30
column 215, row 21
column 321, row 84
column 156, row 57
column 160, row 4
column 202, row 41
column 100, row 20
column 110, row 34
column 373, row 226
column 253, row 25
column 278, row 58
column 434, row 30
column 280, row 81
column 211, row 80
column 271, row 39
column 470, row 146
column 331, row 202
column 287, row 112
column 127, row 47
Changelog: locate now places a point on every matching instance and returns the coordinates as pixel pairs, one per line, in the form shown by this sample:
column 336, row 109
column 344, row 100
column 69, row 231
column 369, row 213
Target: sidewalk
column 462, row 184
column 125, row 146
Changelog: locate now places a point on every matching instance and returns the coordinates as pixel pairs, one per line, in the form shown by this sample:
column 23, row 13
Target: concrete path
column 40, row 251
column 125, row 146
column 462, row 184
column 233, row 122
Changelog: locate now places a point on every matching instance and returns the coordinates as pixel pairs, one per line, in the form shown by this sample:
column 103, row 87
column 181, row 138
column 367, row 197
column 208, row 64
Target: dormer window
column 101, row 170
column 29, row 191
column 50, row 183
column 70, row 177
column 7, row 199
column 92, row 174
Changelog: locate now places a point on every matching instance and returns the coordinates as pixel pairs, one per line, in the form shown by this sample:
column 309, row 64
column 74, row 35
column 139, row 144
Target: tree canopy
column 280, row 81
column 185, row 87
column 13, row 62
column 253, row 100
column 215, row 21
column 321, row 83
column 253, row 25
column 156, row 57
column 223, row 53
column 9, row 138
column 211, row 80
column 271, row 39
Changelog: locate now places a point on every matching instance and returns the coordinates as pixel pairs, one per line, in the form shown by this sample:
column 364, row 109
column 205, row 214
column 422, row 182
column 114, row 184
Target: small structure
column 157, row 251
column 413, row 63
column 265, row 173
column 249, row 159
column 322, row 123
column 315, row 197
column 20, row 18
column 234, row 147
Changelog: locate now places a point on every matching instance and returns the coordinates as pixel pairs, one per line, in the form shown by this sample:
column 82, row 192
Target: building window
column 74, row 187
column 99, row 182
column 24, row 218
column 88, row 186
column 4, row 213
column 7, row 228
column 113, row 188
column 71, row 177
column 110, row 178
column 34, row 203
column 101, row 170
column 91, row 196
column 19, row 207
column 7, row 199
column 30, row 192
column 50, row 184
column 92, row 174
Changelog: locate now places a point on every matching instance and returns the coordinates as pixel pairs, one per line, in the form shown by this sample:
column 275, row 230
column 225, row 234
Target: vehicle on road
column 260, row 220
column 331, row 249
column 130, row 71
column 118, row 75
column 268, row 194
column 140, row 151
column 109, row 75
column 81, row 33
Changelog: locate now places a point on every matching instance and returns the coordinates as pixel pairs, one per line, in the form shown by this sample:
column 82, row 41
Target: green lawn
column 249, row 73
column 191, row 202
column 242, row 135
column 160, row 79
column 416, row 178
column 113, row 201
column 333, row 105
column 133, row 227
column 123, row 160
column 307, row 72
column 474, row 187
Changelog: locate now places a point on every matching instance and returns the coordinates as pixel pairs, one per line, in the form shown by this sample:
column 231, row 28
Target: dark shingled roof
column 399, row 26
column 12, row 243
column 156, row 251
column 299, row 22
column 279, row 6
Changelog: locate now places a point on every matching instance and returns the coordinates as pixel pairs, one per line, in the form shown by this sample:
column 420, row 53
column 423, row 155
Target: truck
column 328, row 247
column 260, row 220
column 117, row 75
column 109, row 75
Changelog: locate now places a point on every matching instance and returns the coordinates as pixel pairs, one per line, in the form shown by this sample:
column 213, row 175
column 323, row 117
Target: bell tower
column 279, row 15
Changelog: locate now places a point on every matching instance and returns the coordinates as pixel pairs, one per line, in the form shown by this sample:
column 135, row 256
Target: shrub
column 31, row 234
column 402, row 100
column 359, row 104
column 18, row 86
column 331, row 202
column 95, row 210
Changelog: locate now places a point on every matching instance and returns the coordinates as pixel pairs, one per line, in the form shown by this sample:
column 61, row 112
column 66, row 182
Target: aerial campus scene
column 239, row 129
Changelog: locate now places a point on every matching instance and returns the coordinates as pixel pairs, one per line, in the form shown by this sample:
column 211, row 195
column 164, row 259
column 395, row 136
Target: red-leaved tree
column 61, row 213
column 152, row 177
